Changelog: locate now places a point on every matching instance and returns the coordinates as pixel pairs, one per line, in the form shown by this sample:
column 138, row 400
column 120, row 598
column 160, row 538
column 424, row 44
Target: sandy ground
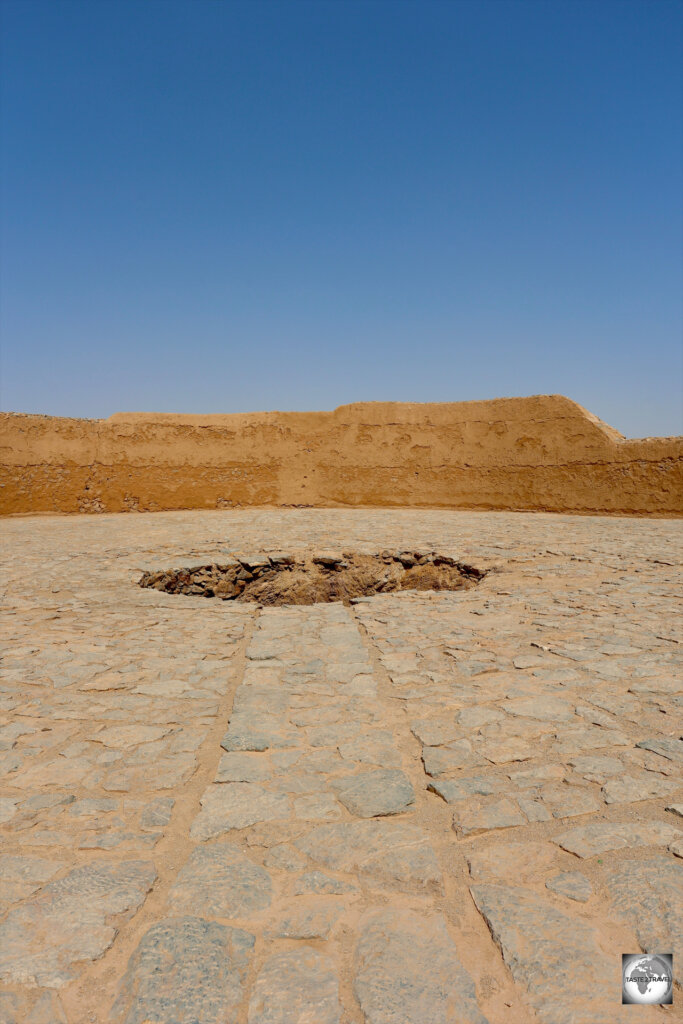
column 418, row 808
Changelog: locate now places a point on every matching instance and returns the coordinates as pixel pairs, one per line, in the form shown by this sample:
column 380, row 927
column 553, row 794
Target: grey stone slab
column 472, row 817
column 596, row 767
column 8, row 808
column 236, row 805
column 294, row 988
column 533, row 809
column 572, row 884
column 502, row 749
column 547, row 950
column 628, row 789
column 157, row 813
column 476, row 718
column 243, row 767
column 220, row 881
column 373, row 794
column 439, row 761
column 375, row 747
column 286, row 857
column 334, row 735
column 668, row 747
column 545, row 709
column 20, row 876
column 388, row 854
column 568, row 801
column 42, row 940
column 91, row 806
column 511, row 862
column 317, row 807
column 47, row 1009
column 592, row 840
column 307, row 919
column 433, row 732
column 452, row 790
column 256, row 732
column 576, row 740
column 407, row 971
column 319, row 882
column 185, row 971
column 649, row 894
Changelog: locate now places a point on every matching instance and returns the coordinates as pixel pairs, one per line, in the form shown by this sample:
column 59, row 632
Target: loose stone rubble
column 411, row 808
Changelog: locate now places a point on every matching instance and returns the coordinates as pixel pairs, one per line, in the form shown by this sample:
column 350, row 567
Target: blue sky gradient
column 227, row 207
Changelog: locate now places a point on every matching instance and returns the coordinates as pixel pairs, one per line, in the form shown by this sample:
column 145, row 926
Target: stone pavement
column 419, row 809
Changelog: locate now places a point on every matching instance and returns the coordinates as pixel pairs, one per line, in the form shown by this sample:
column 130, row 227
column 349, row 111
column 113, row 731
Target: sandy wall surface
column 544, row 453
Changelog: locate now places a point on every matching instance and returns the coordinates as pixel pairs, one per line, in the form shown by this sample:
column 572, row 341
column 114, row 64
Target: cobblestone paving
column 419, row 809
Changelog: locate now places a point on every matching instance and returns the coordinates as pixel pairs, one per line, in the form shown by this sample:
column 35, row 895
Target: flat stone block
column 294, row 988
column 185, row 971
column 236, row 805
column 407, row 971
column 374, row 794
column 220, row 881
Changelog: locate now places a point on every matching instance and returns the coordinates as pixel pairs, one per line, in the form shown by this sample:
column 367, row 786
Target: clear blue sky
column 223, row 207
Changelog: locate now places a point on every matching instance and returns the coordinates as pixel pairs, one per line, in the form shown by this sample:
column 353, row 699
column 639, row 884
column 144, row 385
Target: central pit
column 286, row 579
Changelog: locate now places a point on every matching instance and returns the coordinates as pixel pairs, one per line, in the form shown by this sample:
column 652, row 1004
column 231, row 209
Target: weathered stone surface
column 503, row 749
column 649, row 894
column 384, row 853
column 185, row 971
column 42, row 940
column 294, row 988
column 545, row 709
column 129, row 735
column 255, row 732
column 596, row 767
column 318, row 882
column 513, row 862
column 220, row 881
column 668, row 747
column 626, row 789
column 441, row 760
column 377, row 748
column 286, row 857
column 307, row 919
column 8, row 808
column 572, row 884
column 317, row 807
column 236, row 805
column 407, row 971
column 435, row 731
column 452, row 790
column 592, row 840
column 373, row 794
column 547, row 951
column 157, row 813
column 471, row 817
column 243, row 767
column 21, row 876
column 568, row 801
column 575, row 740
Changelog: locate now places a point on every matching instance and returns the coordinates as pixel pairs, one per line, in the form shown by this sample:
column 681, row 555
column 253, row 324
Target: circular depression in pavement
column 311, row 579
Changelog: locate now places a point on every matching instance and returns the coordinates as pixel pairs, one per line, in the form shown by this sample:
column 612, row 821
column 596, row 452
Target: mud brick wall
column 540, row 453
